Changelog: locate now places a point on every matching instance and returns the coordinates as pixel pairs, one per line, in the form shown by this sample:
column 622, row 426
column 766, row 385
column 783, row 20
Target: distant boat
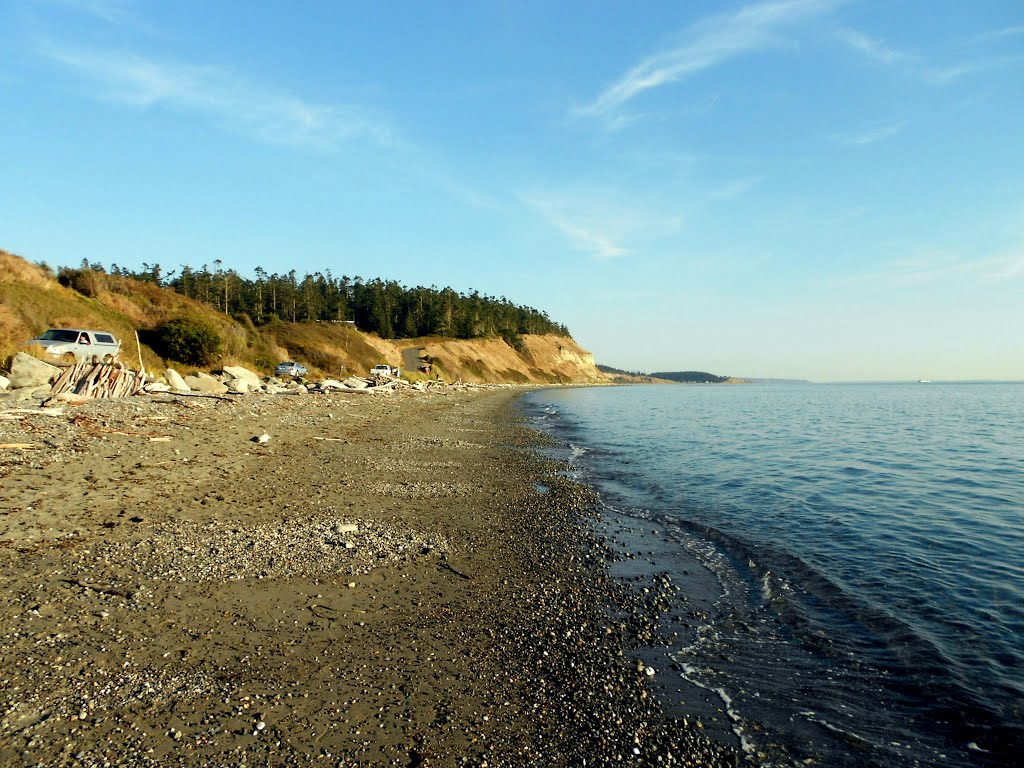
column 924, row 381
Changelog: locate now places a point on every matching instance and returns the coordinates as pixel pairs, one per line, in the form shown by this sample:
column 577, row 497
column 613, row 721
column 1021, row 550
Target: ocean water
column 867, row 549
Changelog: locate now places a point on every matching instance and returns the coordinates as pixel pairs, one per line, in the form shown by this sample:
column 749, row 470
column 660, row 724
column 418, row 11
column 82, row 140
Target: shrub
column 189, row 340
column 85, row 281
column 514, row 340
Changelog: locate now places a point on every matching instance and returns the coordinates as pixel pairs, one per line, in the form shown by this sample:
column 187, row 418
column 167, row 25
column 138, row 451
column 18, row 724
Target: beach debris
column 99, row 380
column 17, row 413
column 445, row 565
column 346, row 528
column 106, row 589
column 261, row 439
column 66, row 398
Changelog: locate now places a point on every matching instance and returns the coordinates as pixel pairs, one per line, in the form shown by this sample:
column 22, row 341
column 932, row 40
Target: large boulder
column 238, row 373
column 353, row 382
column 22, row 394
column 204, row 382
column 238, row 386
column 176, row 381
column 27, row 371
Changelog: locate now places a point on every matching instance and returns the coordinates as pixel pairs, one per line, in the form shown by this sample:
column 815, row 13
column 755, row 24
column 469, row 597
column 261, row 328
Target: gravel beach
column 389, row 580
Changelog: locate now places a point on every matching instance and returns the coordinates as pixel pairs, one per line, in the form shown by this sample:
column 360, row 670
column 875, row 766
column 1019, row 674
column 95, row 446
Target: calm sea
column 867, row 546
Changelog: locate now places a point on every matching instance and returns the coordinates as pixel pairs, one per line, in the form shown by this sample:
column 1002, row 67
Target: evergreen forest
column 384, row 307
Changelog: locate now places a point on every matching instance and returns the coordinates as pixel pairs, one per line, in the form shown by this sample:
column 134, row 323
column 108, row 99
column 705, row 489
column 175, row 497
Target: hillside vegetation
column 690, row 377
column 494, row 347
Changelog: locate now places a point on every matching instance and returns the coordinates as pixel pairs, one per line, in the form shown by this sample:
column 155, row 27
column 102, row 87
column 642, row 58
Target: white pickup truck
column 381, row 371
column 75, row 344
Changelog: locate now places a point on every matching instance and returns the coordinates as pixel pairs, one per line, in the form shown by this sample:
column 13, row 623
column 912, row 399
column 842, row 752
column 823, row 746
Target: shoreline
column 173, row 593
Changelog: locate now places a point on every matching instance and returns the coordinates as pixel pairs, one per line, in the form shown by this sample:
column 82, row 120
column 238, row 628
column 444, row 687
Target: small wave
column 576, row 451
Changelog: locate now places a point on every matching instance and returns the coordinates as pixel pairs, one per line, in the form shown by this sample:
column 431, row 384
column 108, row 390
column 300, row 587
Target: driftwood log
column 100, row 380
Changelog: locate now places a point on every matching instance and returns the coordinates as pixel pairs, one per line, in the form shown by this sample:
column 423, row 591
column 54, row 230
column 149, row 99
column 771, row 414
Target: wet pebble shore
column 401, row 595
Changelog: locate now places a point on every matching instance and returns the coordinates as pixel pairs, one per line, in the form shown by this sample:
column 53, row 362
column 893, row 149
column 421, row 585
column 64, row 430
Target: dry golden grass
column 31, row 301
column 14, row 269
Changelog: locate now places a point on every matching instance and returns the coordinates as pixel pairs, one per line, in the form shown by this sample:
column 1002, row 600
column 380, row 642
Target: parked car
column 383, row 370
column 75, row 344
column 290, row 369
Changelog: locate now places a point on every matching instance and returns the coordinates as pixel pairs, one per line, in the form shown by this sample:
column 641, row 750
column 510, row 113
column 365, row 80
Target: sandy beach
column 387, row 580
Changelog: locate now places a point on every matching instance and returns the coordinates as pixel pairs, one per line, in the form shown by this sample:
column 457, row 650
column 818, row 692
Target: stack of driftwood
column 99, row 380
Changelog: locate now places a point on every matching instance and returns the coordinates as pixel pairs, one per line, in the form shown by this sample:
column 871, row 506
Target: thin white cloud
column 939, row 267
column 950, row 74
column 848, row 215
column 872, row 48
column 930, row 72
column 734, row 188
column 997, row 34
column 581, row 217
column 607, row 222
column 873, row 135
column 242, row 105
column 590, row 241
column 709, row 42
column 113, row 11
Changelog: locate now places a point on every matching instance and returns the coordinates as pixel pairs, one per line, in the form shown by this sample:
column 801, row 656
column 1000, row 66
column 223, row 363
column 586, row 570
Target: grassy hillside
column 32, row 300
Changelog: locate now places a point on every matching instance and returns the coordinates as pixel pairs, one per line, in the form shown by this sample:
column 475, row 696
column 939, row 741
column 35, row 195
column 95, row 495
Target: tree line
column 384, row 307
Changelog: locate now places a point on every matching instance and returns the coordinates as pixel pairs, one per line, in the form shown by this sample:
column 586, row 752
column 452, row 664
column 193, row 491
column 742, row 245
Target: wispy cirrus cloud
column 874, row 134
column 113, row 11
column 873, row 48
column 734, row 188
column 954, row 72
column 607, row 222
column 581, row 217
column 997, row 34
column 708, row 43
column 929, row 71
column 251, row 108
column 944, row 267
column 590, row 240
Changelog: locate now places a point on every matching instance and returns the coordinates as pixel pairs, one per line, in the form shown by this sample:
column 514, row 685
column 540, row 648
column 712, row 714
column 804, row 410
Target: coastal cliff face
column 31, row 300
column 542, row 359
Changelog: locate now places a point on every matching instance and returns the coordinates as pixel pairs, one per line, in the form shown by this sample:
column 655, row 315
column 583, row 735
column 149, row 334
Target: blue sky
column 799, row 188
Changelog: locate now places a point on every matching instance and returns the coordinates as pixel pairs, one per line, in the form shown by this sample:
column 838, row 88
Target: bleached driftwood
column 99, row 380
